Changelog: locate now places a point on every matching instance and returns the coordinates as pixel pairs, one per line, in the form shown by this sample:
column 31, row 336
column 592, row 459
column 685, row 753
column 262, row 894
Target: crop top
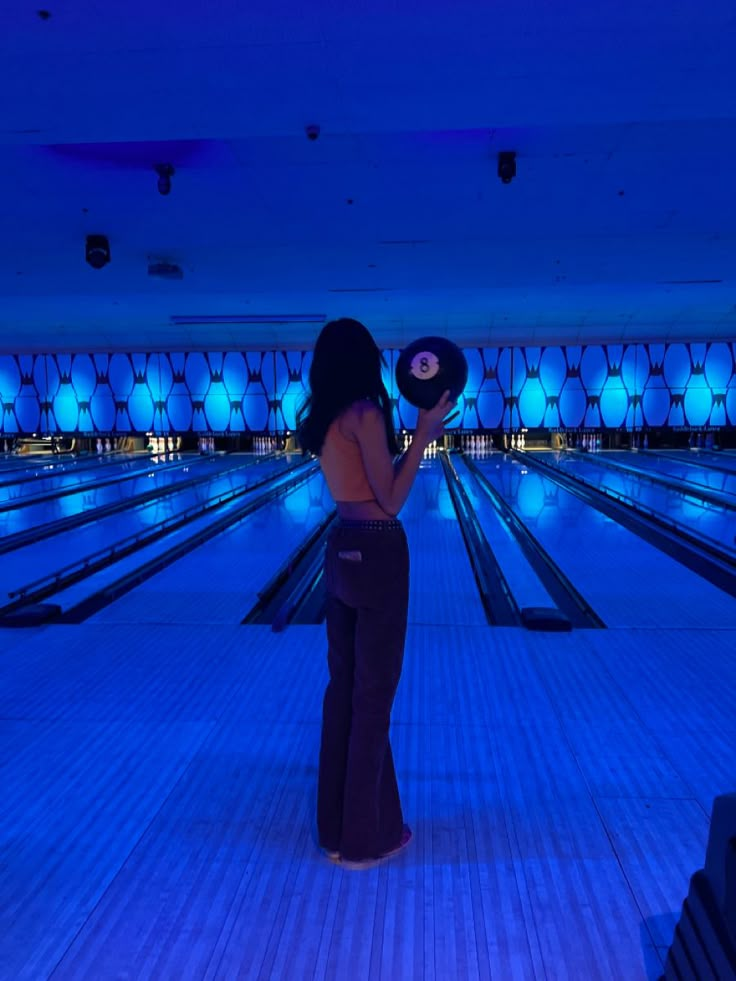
column 342, row 466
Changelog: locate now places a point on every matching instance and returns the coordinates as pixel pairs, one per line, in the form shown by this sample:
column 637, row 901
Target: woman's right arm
column 391, row 485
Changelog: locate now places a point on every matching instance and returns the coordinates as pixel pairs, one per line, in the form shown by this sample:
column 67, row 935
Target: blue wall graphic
column 603, row 386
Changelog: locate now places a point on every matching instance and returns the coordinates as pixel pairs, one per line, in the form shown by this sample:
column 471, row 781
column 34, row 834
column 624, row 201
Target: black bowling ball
column 427, row 368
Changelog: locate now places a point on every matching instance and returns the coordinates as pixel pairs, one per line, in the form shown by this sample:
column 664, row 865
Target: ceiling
column 620, row 223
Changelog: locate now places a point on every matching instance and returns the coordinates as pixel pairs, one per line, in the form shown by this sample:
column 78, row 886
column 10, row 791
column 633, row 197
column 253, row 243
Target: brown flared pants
column 367, row 579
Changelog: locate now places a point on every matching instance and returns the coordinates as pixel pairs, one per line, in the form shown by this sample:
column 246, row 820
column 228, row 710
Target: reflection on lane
column 442, row 587
column 46, row 479
column 722, row 461
column 89, row 497
column 682, row 469
column 218, row 582
column 523, row 581
column 708, row 521
column 626, row 580
column 35, row 561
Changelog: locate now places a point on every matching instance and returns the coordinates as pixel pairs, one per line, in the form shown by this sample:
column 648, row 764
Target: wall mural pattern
column 603, row 386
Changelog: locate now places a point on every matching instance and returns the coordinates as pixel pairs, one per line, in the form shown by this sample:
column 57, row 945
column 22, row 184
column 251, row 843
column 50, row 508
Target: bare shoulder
column 359, row 415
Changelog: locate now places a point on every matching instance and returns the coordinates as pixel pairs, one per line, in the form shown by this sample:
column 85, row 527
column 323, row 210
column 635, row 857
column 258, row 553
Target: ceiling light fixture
column 97, row 251
column 165, row 173
column 507, row 166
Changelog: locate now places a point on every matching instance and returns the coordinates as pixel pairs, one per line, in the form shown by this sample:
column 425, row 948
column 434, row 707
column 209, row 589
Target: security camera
column 165, row 173
column 312, row 132
column 97, row 251
column 507, row 166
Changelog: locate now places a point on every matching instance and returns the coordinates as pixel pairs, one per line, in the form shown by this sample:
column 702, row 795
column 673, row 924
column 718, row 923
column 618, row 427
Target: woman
column 347, row 423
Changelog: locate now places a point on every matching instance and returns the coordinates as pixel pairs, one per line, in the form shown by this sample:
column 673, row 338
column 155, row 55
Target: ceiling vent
column 404, row 241
column 248, row 318
column 165, row 270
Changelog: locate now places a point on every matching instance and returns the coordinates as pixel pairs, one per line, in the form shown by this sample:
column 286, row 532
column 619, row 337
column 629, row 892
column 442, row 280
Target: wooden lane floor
column 219, row 581
column 157, row 817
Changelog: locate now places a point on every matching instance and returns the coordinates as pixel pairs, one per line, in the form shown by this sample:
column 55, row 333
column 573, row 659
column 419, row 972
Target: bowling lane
column 683, row 509
column 43, row 558
column 218, row 582
column 627, row 581
column 720, row 460
column 159, row 473
column 49, row 481
column 526, row 587
column 680, row 467
column 15, row 465
column 442, row 587
column 237, row 565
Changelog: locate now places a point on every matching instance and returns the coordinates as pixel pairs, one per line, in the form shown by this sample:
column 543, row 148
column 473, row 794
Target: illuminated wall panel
column 596, row 386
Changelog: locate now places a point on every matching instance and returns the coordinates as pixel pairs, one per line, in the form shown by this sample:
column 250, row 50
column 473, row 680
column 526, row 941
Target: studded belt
column 391, row 525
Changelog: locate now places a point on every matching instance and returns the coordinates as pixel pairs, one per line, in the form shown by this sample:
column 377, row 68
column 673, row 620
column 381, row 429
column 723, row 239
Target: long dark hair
column 346, row 367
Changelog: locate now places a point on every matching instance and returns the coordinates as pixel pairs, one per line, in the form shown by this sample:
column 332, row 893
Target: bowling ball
column 428, row 367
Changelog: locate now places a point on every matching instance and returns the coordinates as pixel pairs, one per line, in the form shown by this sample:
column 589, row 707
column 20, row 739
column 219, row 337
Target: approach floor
column 157, row 815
